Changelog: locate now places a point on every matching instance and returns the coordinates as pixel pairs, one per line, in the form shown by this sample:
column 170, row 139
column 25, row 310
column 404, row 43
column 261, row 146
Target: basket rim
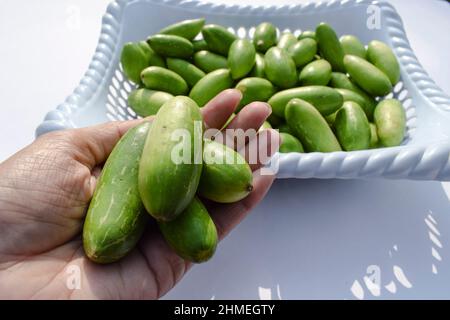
column 101, row 63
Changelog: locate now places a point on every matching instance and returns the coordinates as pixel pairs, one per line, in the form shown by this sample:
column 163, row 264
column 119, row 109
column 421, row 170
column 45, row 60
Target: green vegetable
column 188, row 29
column 303, row 51
column 170, row 168
column 200, row 45
column 290, row 144
column 351, row 45
column 286, row 40
column 218, row 38
column 154, row 59
column 373, row 136
column 330, row 47
column 326, row 100
column 210, row 86
column 275, row 120
column 133, row 60
column 161, row 79
column 280, row 68
column 307, row 34
column 193, row 235
column 331, row 118
column 284, row 127
column 190, row 73
column 316, row 73
column 390, row 120
column 265, row 36
column 258, row 68
column 366, row 103
column 209, row 62
column 116, row 217
column 254, row 89
column 147, row 102
column 367, row 76
column 241, row 58
column 341, row 81
column 352, row 127
column 310, row 127
column 171, row 46
column 226, row 176
column 382, row 57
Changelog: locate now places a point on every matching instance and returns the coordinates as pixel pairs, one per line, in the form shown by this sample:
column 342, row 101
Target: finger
column 95, row 174
column 251, row 116
column 227, row 216
column 94, row 144
column 261, row 148
column 217, row 112
column 245, row 125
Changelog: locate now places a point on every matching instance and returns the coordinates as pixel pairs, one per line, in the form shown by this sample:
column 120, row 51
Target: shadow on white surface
column 333, row 239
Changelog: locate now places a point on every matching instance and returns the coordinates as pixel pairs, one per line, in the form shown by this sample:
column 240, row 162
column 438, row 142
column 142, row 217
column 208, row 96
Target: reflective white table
column 334, row 239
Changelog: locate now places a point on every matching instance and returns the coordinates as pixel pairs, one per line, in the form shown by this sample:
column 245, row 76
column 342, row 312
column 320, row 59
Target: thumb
column 92, row 145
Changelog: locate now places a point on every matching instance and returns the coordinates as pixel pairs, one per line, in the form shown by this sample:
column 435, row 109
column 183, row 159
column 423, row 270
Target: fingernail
column 240, row 93
column 268, row 107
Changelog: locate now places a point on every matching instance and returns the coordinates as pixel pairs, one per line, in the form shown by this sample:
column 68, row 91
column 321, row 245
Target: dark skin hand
column 45, row 190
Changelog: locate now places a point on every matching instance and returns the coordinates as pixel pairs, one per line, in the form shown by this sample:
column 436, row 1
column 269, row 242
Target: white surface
column 309, row 238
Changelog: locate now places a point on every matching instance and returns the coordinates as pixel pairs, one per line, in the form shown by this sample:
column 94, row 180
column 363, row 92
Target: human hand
column 45, row 190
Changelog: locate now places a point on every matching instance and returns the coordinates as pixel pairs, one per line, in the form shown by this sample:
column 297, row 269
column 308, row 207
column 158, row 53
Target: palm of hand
column 44, row 193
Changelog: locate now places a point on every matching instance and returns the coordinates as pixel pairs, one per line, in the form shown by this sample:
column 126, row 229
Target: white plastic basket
column 425, row 153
